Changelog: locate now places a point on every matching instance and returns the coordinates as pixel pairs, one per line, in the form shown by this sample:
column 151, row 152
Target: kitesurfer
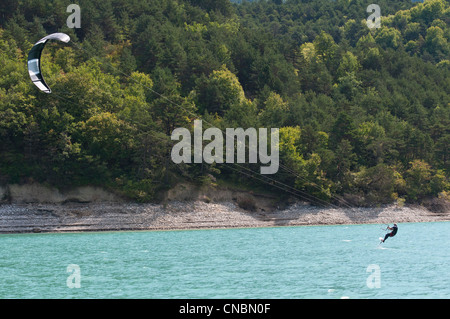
column 391, row 234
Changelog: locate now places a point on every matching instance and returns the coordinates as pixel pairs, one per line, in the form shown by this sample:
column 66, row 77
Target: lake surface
column 343, row 261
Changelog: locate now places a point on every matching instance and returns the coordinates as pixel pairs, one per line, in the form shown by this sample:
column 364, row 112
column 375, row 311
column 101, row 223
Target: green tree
column 275, row 111
column 388, row 38
column 377, row 183
column 343, row 128
column 217, row 93
column 326, row 49
column 436, row 43
column 418, row 178
column 344, row 161
column 349, row 65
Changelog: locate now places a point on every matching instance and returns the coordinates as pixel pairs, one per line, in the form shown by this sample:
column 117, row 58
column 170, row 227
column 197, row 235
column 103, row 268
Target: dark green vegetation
column 363, row 114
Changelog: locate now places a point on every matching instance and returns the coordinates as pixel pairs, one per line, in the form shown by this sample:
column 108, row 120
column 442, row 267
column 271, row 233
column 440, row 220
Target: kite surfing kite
column 34, row 60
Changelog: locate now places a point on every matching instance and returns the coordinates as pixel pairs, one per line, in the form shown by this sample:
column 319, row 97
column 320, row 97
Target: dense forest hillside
column 364, row 114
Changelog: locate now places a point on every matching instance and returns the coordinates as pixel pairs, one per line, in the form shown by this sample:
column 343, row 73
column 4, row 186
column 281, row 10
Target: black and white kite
column 34, row 60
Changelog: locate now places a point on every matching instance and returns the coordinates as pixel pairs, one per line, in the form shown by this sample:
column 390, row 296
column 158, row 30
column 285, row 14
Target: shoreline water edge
column 183, row 215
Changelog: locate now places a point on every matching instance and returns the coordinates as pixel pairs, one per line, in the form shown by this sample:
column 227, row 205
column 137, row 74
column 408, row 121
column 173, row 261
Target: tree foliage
column 360, row 111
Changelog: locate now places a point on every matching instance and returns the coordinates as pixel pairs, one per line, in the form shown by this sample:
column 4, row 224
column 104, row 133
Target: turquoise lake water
column 343, row 261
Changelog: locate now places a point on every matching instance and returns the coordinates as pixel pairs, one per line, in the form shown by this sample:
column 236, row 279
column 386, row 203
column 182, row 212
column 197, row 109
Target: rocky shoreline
column 177, row 215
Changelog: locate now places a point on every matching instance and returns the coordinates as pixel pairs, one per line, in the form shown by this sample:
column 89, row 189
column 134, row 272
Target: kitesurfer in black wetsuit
column 392, row 233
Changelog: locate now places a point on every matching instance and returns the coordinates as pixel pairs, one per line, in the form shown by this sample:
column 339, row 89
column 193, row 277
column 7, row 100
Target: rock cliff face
column 184, row 192
column 37, row 193
column 247, row 200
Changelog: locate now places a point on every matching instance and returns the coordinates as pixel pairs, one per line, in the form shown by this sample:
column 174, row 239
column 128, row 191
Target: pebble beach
column 178, row 215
